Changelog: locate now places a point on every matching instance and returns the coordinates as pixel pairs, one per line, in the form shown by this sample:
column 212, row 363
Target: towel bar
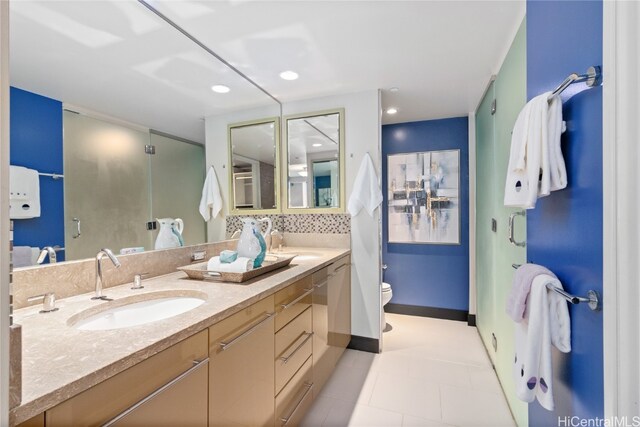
column 593, row 77
column 593, row 299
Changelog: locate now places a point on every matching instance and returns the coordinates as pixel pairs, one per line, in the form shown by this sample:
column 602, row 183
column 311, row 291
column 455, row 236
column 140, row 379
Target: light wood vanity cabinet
column 166, row 389
column 261, row 366
column 331, row 317
column 294, row 347
column 241, row 374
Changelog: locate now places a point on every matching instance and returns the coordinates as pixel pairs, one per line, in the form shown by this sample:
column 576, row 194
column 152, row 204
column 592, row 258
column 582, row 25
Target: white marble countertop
column 59, row 361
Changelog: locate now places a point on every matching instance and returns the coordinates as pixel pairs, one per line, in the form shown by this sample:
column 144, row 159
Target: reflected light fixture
column 288, row 75
column 392, row 110
column 316, row 145
column 220, row 88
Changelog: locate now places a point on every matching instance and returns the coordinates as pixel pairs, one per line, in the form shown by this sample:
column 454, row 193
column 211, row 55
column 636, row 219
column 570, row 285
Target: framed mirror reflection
column 314, row 168
column 109, row 107
column 254, row 157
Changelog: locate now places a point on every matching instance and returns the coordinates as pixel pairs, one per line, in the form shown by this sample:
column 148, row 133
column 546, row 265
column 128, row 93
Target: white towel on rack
column 536, row 166
column 557, row 168
column 211, row 201
column 546, row 322
column 366, row 192
column 24, row 193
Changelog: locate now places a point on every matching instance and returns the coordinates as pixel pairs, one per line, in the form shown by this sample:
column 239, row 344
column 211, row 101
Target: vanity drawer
column 111, row 397
column 241, row 375
column 293, row 347
column 295, row 399
column 292, row 300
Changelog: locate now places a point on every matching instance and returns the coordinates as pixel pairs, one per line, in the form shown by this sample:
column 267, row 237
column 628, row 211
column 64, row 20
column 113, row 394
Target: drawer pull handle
column 226, row 345
column 322, row 284
column 285, row 420
column 197, row 364
column 307, row 292
column 342, row 267
column 304, row 341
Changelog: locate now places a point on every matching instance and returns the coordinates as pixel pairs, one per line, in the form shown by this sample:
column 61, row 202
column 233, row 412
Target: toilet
column 386, row 297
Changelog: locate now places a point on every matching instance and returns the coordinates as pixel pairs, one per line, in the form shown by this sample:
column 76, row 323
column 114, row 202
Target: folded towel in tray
column 240, row 265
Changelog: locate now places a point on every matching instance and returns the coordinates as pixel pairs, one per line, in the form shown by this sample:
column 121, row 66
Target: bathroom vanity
column 251, row 354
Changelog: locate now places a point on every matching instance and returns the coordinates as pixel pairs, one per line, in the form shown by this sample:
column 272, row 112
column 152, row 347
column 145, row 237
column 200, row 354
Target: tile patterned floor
column 431, row 373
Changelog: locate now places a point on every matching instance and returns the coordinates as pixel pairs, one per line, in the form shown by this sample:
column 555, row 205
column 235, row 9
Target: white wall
column 362, row 135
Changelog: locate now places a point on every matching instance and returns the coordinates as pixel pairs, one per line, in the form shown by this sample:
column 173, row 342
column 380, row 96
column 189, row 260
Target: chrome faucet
column 99, row 256
column 43, row 254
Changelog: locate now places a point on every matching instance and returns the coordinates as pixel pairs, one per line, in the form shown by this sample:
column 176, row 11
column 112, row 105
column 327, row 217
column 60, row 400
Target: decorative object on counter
column 170, row 234
column 211, row 201
column 201, row 272
column 277, row 241
column 24, row 193
column 252, row 242
column 366, row 191
column 424, row 197
column 228, row 256
column 239, row 265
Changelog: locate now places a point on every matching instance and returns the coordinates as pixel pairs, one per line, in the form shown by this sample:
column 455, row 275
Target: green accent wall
column 494, row 254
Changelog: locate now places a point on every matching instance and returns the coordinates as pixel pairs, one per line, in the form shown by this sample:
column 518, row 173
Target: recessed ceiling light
column 392, row 110
column 220, row 88
column 394, row 89
column 316, row 145
column 289, row 75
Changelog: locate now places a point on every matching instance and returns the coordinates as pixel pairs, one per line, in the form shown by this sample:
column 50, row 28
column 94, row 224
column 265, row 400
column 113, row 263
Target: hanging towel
column 546, row 322
column 366, row 192
column 211, row 201
column 522, row 279
column 536, row 166
column 557, row 168
column 24, row 193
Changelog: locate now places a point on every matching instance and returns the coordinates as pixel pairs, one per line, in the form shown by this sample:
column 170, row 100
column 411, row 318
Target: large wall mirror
column 254, row 173
column 108, row 108
column 315, row 162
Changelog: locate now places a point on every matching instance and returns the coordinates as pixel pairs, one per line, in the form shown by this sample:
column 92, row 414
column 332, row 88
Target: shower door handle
column 77, row 233
column 512, row 239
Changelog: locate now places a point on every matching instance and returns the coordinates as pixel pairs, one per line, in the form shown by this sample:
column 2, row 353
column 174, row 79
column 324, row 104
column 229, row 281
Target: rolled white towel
column 240, row 265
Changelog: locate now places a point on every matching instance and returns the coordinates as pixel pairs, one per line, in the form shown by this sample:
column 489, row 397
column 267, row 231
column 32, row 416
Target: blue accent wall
column 564, row 231
column 428, row 275
column 36, row 143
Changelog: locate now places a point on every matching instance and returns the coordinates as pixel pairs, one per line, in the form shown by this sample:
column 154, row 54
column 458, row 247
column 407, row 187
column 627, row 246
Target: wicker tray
column 199, row 271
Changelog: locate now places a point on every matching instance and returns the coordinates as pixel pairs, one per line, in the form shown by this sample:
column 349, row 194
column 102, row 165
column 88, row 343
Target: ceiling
column 117, row 58
column 439, row 54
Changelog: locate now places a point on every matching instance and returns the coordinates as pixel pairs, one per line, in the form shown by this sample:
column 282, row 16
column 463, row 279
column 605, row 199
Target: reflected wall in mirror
column 315, row 162
column 254, row 159
column 94, row 84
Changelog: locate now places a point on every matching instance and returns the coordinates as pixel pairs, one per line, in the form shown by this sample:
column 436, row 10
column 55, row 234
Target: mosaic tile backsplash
column 298, row 223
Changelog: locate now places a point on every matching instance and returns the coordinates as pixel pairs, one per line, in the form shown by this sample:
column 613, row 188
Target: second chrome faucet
column 99, row 257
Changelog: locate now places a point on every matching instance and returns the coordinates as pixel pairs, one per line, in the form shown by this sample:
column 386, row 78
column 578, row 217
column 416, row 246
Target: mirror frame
column 276, row 128
column 341, row 158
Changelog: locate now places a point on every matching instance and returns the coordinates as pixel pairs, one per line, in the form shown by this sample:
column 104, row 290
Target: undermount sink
column 137, row 310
